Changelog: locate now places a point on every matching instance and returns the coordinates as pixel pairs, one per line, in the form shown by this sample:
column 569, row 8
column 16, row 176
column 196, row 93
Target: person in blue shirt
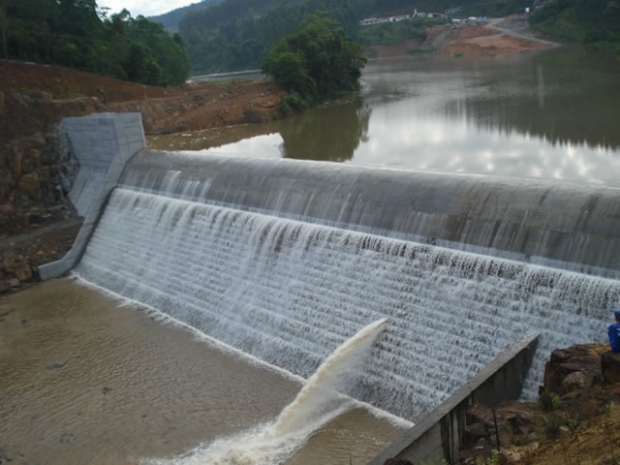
column 614, row 333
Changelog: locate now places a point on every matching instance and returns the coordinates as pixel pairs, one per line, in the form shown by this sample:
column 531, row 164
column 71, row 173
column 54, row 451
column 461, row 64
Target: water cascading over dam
column 285, row 260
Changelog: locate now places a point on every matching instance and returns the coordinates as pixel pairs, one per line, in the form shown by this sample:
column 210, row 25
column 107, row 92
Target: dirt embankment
column 497, row 38
column 37, row 224
column 500, row 37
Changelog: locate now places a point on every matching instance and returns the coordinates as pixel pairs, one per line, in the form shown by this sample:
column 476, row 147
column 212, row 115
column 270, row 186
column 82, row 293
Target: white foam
column 315, row 405
column 288, row 293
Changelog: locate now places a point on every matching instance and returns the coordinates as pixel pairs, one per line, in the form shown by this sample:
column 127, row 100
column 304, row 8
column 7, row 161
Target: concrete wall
column 557, row 224
column 438, row 435
column 103, row 143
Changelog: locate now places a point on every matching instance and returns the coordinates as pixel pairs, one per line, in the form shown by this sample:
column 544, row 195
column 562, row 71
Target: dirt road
column 500, row 37
column 517, row 26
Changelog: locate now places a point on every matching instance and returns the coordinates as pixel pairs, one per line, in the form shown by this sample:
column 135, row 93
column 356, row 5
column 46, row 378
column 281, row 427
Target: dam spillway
column 285, row 260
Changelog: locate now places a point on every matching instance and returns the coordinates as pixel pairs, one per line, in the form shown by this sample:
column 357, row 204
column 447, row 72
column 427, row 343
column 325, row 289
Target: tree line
column 591, row 22
column 237, row 34
column 76, row 34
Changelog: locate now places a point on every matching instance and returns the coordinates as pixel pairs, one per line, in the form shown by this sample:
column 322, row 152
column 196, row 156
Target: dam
column 260, row 257
column 285, row 260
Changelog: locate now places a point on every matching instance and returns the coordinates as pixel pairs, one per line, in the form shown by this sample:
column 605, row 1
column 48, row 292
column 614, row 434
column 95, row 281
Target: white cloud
column 143, row 7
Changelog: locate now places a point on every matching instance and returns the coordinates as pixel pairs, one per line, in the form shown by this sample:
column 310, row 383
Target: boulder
column 473, row 433
column 478, row 413
column 16, row 265
column 563, row 363
column 610, row 366
column 520, row 453
column 575, row 381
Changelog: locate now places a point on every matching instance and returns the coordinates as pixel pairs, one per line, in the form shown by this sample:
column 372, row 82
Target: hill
column 237, row 34
column 171, row 19
column 595, row 23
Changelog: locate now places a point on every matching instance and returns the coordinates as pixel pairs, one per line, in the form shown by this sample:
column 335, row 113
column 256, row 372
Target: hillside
column 37, row 224
column 77, row 34
column 595, row 24
column 171, row 19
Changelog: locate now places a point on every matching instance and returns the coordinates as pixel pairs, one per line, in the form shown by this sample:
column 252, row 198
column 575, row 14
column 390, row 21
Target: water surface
column 85, row 382
column 529, row 116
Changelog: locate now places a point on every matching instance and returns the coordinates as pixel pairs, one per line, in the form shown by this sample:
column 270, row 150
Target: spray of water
column 317, row 404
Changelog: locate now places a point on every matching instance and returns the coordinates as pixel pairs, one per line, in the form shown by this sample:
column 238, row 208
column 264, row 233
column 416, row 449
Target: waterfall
column 289, row 292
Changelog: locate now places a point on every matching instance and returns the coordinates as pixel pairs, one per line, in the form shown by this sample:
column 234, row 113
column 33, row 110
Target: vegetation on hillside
column 493, row 9
column 394, row 33
column 171, row 19
column 591, row 22
column 74, row 33
column 315, row 63
column 237, row 34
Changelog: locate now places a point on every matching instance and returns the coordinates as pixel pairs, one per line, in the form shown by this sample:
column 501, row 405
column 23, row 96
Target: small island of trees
column 316, row 63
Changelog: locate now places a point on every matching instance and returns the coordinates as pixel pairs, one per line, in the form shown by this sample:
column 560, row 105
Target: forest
column 237, row 34
column 594, row 23
column 76, row 34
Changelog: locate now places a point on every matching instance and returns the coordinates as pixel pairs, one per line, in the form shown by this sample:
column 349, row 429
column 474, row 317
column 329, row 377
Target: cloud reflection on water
column 521, row 119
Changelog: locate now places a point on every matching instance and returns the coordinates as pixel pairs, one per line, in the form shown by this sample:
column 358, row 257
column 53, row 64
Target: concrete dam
column 285, row 260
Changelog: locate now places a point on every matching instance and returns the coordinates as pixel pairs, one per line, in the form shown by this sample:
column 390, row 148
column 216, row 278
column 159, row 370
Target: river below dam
column 86, row 381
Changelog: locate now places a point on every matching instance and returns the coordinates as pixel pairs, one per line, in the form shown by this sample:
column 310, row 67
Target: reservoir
column 530, row 116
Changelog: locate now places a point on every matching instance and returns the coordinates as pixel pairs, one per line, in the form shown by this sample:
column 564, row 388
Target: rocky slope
column 35, row 163
column 575, row 421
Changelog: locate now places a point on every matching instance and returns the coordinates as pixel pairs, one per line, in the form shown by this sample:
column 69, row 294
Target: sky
column 144, row 7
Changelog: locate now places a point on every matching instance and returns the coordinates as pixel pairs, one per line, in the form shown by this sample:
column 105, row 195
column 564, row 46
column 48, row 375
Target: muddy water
column 83, row 381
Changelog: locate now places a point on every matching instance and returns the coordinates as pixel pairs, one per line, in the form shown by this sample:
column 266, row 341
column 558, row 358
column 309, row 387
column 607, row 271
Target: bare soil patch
column 479, row 41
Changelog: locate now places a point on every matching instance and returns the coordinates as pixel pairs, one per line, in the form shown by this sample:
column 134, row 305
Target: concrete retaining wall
column 438, row 435
column 103, row 143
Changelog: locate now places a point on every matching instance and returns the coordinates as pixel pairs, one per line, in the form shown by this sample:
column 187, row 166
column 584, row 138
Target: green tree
column 77, row 34
column 317, row 62
column 233, row 24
